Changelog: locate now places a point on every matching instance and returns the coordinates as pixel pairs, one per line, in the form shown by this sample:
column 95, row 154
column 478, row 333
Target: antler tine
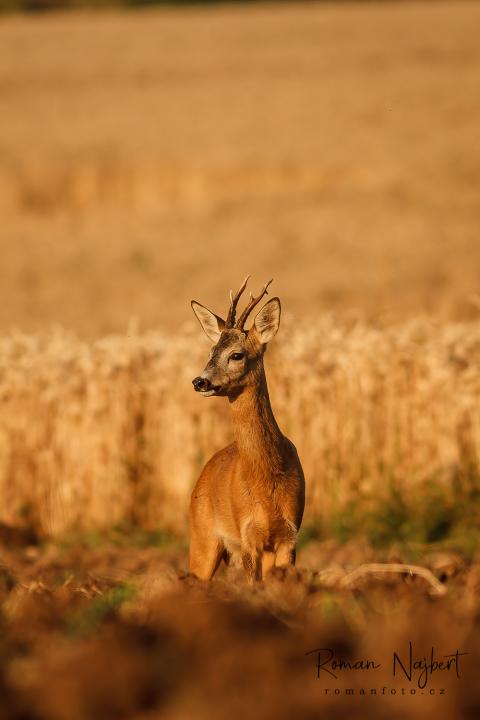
column 251, row 304
column 230, row 322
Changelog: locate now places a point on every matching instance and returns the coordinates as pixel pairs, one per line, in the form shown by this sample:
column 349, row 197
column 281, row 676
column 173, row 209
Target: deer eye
column 237, row 356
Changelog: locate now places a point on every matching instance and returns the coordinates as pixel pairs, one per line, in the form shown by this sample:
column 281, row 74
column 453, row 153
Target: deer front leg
column 205, row 555
column 286, row 552
column 268, row 563
column 252, row 564
column 251, row 551
column 285, row 555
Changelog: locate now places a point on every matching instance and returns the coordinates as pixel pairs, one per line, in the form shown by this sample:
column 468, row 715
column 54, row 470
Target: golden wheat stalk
column 92, row 434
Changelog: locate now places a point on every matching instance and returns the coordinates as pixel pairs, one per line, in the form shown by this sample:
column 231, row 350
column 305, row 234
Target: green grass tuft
column 438, row 514
column 87, row 621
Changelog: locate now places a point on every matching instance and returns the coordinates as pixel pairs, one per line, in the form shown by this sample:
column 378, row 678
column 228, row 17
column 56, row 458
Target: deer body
column 249, row 498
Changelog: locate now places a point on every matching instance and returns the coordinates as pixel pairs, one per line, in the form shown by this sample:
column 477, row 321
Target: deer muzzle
column 204, row 386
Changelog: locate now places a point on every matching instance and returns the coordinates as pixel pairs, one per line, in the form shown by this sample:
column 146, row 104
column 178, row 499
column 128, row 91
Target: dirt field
column 151, row 157
column 103, row 632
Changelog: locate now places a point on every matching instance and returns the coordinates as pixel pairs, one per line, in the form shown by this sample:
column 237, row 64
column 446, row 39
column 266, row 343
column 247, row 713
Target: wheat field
column 96, row 434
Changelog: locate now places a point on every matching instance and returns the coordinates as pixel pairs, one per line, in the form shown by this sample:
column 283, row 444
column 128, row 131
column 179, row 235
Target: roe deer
column 250, row 496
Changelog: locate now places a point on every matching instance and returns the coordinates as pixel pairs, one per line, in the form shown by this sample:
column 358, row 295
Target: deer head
column 236, row 358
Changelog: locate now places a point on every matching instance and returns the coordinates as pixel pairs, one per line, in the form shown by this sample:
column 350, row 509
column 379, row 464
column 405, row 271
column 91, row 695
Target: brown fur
column 249, row 498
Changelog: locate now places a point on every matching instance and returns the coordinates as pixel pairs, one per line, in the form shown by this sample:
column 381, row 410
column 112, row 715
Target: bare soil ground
column 111, row 632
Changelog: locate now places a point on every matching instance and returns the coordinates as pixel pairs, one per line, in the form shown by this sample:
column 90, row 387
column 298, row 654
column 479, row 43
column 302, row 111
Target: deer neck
column 258, row 437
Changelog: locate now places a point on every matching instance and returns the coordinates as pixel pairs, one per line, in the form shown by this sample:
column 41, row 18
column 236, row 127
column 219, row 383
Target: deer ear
column 267, row 321
column 211, row 323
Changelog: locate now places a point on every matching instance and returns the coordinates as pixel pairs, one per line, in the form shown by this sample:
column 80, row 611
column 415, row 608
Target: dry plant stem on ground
column 436, row 588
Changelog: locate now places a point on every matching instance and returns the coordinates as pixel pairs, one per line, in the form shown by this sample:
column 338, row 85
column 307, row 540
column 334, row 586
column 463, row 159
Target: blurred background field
column 157, row 155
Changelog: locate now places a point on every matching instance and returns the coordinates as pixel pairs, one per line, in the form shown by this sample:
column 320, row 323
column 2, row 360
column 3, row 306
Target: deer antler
column 230, row 322
column 251, row 304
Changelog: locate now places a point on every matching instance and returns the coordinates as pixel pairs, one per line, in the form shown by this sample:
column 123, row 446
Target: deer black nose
column 201, row 384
